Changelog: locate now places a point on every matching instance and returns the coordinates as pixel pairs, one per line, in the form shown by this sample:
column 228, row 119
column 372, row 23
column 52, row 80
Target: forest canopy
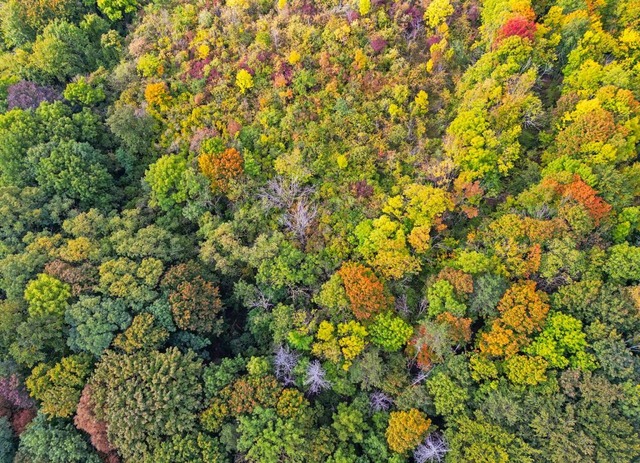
column 328, row 231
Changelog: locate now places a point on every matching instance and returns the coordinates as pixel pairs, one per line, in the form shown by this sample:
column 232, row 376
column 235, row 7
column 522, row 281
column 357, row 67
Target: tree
column 115, row 9
column 364, row 289
column 7, row 442
column 476, row 440
column 29, row 95
column 266, row 438
column 442, row 298
column 146, row 398
column 284, row 363
column 54, row 441
column 47, row 296
column 13, row 393
column 433, row 449
column 58, row 387
column 94, row 322
column 437, row 12
column 339, row 344
column 86, row 420
column 221, row 168
column 518, row 26
column 196, row 306
column 585, row 195
column 62, row 51
column 85, row 91
column 623, row 262
column 525, row 370
column 244, row 80
column 348, row 423
column 390, row 332
column 39, row 339
column 187, row 449
column 449, row 397
column 562, row 343
column 406, row 430
column 74, row 170
column 315, row 378
column 383, row 243
column 433, row 340
column 130, row 280
column 522, row 312
column 133, row 127
column 142, row 335
column 165, row 178
column 422, row 206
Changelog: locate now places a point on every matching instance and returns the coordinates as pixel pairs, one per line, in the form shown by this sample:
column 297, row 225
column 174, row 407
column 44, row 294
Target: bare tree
column 379, row 401
column 282, row 194
column 433, row 449
column 259, row 301
column 298, row 218
column 298, row 211
column 402, row 306
column 284, row 362
column 315, row 378
column 423, row 305
column 420, row 377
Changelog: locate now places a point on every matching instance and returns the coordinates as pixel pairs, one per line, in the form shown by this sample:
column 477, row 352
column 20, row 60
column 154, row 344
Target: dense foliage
column 330, row 231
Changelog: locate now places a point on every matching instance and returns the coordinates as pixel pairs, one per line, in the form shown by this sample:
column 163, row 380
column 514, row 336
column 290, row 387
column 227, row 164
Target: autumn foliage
column 87, row 421
column 268, row 231
column 364, row 289
column 459, row 328
column 522, row 312
column 221, row 168
column 195, row 301
column 517, row 25
column 582, row 193
column 406, row 430
column 462, row 282
column 433, row 340
column 196, row 305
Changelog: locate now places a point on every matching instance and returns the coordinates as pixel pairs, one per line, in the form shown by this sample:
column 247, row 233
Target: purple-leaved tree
column 13, row 391
column 27, row 95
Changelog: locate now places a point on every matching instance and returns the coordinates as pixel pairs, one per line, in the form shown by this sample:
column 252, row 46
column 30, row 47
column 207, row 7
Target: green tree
column 116, row 9
column 134, row 128
column 562, row 343
column 39, row 339
column 449, row 397
column 623, row 263
column 147, row 398
column 7, row 441
column 266, row 438
column 47, row 295
column 166, row 179
column 390, row 332
column 94, row 322
column 476, row 440
column 59, row 53
column 55, row 441
column 74, row 170
column 349, row 423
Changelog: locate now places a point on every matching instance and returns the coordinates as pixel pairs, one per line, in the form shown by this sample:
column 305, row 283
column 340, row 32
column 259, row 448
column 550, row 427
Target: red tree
column 579, row 191
column 517, row 25
column 87, row 421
